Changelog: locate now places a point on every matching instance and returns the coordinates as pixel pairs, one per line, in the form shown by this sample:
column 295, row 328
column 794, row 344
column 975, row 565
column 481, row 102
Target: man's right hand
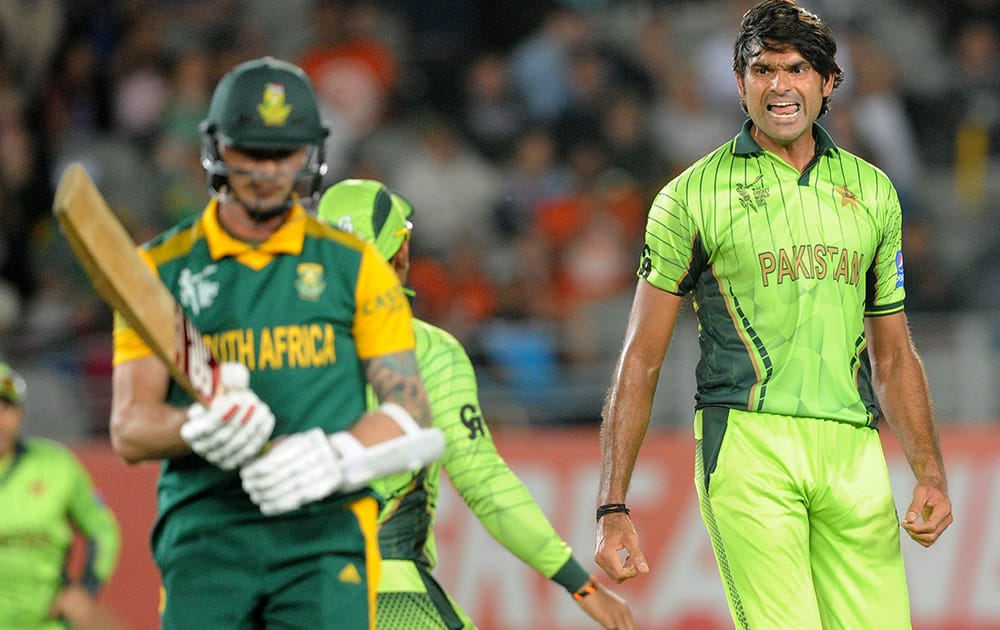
column 236, row 424
column 615, row 532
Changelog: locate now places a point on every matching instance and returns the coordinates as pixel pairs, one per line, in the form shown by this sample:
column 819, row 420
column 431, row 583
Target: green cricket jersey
column 498, row 498
column 784, row 268
column 46, row 493
column 300, row 310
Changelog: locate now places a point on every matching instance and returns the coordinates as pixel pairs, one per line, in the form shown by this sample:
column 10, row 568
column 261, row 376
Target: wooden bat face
column 124, row 281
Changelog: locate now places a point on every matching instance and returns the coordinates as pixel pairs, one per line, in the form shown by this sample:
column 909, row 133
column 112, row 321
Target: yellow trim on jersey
column 177, row 246
column 366, row 511
column 287, row 239
column 127, row 343
column 382, row 321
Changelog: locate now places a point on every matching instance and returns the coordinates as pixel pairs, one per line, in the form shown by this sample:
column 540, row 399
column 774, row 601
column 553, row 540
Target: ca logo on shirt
column 197, row 290
column 473, row 420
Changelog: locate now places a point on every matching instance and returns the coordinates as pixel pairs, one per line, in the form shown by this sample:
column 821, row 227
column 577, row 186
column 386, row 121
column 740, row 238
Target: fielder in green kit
column 791, row 247
column 45, row 496
column 408, row 594
column 301, row 316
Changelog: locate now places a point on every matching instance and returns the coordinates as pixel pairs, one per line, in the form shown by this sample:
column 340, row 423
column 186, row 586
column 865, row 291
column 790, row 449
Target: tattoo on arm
column 395, row 378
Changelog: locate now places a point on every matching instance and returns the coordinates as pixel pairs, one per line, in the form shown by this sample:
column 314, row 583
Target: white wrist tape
column 411, row 451
column 401, row 416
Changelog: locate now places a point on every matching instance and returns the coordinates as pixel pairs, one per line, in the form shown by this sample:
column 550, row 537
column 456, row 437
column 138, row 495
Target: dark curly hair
column 780, row 25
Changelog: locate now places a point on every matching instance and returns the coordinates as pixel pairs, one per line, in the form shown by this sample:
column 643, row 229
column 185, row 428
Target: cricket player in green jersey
column 408, row 595
column 301, row 316
column 46, row 495
column 792, row 250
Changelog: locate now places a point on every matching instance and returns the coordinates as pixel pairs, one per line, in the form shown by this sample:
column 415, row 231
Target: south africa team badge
column 310, row 283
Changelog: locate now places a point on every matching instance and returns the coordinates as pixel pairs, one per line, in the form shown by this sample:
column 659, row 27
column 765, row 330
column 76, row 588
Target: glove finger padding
column 231, row 430
column 208, row 427
column 246, row 440
column 296, row 470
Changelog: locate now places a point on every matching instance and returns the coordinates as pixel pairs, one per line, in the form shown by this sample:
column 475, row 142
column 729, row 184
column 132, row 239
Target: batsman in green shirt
column 791, row 247
column 408, row 595
column 264, row 514
column 46, row 495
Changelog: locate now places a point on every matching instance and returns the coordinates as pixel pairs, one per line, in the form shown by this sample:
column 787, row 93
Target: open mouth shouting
column 784, row 109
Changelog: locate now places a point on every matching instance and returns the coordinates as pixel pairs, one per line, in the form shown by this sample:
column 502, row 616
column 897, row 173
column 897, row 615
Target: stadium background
column 531, row 137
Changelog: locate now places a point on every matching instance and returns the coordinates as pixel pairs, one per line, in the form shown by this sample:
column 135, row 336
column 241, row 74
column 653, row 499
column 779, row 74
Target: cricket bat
column 108, row 254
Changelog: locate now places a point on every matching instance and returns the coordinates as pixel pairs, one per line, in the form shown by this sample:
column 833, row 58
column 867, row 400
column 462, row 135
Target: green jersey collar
column 744, row 144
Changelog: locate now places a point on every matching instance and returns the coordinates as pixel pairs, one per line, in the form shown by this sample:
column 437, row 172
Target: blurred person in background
column 409, row 595
column 492, row 115
column 178, row 145
column 445, row 173
column 541, row 63
column 792, row 249
column 46, row 496
column 23, row 187
column 355, row 67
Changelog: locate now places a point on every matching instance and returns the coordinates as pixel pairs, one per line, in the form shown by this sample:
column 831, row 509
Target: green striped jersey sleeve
column 885, row 283
column 669, row 253
column 482, row 478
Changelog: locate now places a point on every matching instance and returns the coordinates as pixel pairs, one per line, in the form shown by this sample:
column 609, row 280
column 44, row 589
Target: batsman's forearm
column 395, row 378
column 374, row 427
column 144, row 431
column 412, row 449
column 143, row 426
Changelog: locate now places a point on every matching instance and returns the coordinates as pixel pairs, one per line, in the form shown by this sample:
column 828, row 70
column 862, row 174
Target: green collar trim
column 744, row 144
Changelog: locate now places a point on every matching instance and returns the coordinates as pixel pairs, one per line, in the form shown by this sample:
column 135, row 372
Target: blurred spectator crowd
column 530, row 136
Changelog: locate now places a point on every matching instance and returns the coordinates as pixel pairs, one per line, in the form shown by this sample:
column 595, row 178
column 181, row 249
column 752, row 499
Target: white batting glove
column 236, row 424
column 298, row 469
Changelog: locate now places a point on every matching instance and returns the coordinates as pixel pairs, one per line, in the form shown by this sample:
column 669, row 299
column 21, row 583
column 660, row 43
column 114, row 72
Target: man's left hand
column 297, row 469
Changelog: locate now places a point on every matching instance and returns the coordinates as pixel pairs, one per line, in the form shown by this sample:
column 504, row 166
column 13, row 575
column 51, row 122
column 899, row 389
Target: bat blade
column 123, row 280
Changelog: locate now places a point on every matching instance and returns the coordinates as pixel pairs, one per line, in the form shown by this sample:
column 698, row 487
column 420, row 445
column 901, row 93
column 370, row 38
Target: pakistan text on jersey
column 813, row 262
column 305, row 345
